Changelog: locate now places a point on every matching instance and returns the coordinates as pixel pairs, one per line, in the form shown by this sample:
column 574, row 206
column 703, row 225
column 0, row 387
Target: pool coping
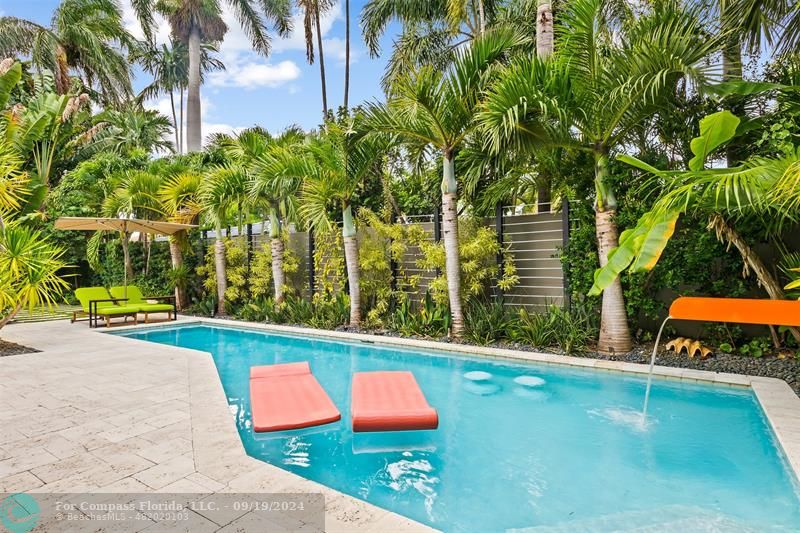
column 780, row 404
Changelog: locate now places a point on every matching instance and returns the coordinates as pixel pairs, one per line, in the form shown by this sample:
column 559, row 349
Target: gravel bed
column 10, row 348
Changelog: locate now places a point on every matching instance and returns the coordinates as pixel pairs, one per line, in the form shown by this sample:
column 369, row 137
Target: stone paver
column 109, row 414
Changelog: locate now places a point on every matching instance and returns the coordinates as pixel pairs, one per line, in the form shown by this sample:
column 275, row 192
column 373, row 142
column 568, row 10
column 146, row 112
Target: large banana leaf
column 715, row 130
column 794, row 284
column 8, row 81
column 639, row 248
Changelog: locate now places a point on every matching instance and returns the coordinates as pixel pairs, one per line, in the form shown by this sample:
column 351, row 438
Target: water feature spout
column 650, row 371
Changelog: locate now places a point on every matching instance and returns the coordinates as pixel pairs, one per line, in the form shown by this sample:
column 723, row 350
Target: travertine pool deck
column 101, row 413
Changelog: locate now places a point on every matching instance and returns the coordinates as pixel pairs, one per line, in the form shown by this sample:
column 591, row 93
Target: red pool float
column 390, row 401
column 288, row 396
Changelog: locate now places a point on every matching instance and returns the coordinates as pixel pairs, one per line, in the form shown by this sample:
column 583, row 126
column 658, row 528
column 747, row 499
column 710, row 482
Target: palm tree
column 169, row 66
column 223, row 191
column 346, row 53
column 131, row 128
column 179, row 196
column 431, row 32
column 601, row 84
column 334, row 165
column 274, row 186
column 40, row 130
column 312, row 11
column 544, row 49
column 436, row 110
column 85, row 38
column 197, row 21
column 265, row 159
column 744, row 25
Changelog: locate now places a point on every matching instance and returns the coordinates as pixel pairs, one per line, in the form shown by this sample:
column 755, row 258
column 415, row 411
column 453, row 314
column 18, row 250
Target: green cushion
column 154, row 308
column 135, row 298
column 118, row 310
column 87, row 294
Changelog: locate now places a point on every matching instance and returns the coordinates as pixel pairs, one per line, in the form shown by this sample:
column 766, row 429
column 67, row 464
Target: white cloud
column 335, row 49
column 249, row 74
column 210, row 128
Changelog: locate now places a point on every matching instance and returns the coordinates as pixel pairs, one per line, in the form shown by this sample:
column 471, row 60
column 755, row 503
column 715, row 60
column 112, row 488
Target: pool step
column 667, row 518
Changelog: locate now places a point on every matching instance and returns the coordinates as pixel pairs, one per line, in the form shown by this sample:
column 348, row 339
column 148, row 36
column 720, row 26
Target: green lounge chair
column 97, row 302
column 134, row 298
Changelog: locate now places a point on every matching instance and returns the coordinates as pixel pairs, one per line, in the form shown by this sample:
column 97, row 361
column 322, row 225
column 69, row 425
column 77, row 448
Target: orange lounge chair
column 288, row 396
column 390, row 401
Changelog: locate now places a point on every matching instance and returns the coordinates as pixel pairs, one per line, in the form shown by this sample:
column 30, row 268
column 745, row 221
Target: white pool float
column 478, row 375
column 529, row 381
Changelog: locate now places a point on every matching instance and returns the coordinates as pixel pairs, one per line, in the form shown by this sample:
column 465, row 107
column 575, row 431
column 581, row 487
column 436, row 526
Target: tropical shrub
column 569, row 331
column 30, row 267
column 478, row 250
column 487, row 322
column 429, row 318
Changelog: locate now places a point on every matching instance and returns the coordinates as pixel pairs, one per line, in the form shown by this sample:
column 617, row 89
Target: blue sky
column 273, row 92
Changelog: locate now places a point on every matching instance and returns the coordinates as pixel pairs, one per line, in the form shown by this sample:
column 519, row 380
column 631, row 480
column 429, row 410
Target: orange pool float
column 288, row 396
column 390, row 401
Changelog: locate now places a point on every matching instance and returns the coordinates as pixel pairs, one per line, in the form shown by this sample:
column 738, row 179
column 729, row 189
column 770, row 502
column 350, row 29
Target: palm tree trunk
column 752, row 262
column 615, row 336
column 146, row 254
column 731, row 71
column 544, row 29
column 351, row 260
column 321, row 63
column 543, row 193
column 194, row 133
column 481, row 16
column 219, row 269
column 175, row 122
column 277, row 249
column 544, row 48
column 126, row 255
column 177, row 261
column 346, row 52
column 450, row 237
column 10, row 316
column 182, row 130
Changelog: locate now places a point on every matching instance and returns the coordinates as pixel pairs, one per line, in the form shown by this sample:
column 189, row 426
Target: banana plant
column 725, row 195
column 641, row 247
column 39, row 130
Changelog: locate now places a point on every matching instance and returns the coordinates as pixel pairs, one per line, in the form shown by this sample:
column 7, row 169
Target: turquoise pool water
column 565, row 452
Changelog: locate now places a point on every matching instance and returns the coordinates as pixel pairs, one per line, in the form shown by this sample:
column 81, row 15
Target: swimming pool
column 564, row 452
